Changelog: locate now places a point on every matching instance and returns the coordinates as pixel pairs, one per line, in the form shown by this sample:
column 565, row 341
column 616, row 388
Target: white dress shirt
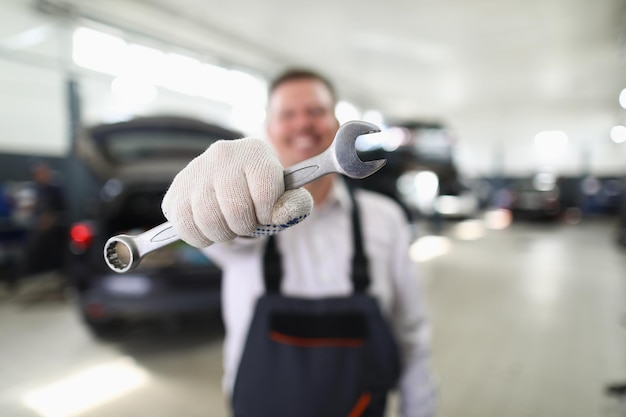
column 317, row 255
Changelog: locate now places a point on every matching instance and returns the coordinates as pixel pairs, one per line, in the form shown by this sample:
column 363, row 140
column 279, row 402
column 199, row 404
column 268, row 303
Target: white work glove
column 235, row 188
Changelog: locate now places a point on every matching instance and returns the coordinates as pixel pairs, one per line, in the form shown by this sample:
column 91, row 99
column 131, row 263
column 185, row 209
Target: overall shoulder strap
column 360, row 266
column 273, row 266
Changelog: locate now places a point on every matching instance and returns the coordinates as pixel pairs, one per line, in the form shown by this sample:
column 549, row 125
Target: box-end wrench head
column 124, row 252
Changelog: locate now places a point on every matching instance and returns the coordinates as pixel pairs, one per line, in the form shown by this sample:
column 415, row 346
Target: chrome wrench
column 124, row 252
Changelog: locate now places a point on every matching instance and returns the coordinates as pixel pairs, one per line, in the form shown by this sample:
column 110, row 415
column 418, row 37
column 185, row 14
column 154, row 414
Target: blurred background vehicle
column 421, row 174
column 133, row 163
column 535, row 198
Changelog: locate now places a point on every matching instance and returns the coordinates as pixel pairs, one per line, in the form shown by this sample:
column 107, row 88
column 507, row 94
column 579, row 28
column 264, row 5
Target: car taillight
column 81, row 236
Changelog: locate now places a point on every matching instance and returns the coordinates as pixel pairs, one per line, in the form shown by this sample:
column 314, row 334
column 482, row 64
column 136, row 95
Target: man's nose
column 303, row 120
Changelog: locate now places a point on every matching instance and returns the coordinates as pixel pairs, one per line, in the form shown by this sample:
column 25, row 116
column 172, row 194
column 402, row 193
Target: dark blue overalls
column 328, row 357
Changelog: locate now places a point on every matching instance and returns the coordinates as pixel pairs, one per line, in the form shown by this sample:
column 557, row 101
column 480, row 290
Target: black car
column 537, row 198
column 131, row 164
column 420, row 174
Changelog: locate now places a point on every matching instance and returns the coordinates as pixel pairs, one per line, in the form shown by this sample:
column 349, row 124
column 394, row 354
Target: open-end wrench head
column 345, row 150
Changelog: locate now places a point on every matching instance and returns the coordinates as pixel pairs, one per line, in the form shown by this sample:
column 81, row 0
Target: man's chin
column 301, row 155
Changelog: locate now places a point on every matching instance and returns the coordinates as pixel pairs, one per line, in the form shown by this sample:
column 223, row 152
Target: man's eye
column 286, row 116
column 317, row 112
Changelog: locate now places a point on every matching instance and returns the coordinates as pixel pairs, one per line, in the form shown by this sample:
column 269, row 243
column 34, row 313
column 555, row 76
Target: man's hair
column 294, row 74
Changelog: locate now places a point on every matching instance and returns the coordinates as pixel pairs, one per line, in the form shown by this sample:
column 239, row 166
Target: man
column 44, row 241
column 303, row 335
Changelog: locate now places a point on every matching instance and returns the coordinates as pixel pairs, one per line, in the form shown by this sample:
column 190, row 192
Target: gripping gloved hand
column 235, row 188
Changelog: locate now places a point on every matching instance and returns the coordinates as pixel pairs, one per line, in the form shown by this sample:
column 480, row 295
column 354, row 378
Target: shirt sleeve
column 416, row 387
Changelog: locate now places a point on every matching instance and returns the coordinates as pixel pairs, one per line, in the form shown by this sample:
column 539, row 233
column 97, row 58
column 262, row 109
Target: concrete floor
column 526, row 322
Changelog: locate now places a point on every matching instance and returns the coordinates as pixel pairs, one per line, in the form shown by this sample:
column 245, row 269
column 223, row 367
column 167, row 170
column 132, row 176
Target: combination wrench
column 124, row 252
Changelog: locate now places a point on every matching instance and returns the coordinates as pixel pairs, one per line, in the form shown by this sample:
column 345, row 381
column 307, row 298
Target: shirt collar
column 339, row 196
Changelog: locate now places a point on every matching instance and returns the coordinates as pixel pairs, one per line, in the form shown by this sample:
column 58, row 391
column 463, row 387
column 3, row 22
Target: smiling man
column 301, row 122
column 326, row 317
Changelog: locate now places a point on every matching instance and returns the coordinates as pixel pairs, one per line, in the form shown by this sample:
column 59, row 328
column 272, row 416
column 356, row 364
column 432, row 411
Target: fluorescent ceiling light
column 133, row 90
column 99, row 51
column 374, row 116
column 249, row 118
column 618, row 134
column 345, row 112
column 551, row 143
column 111, row 55
column 246, row 89
column 215, row 83
column 181, row 74
column 144, row 62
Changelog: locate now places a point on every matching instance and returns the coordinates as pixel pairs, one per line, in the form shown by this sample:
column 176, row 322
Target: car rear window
column 133, row 145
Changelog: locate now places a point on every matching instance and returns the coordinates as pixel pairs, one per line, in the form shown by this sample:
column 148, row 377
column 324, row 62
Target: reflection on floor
column 526, row 323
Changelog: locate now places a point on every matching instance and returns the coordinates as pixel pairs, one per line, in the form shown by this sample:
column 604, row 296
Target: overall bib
column 327, row 357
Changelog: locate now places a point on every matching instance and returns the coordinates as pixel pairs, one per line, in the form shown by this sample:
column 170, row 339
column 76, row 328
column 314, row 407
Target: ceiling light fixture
column 622, row 98
column 551, row 143
column 618, row 134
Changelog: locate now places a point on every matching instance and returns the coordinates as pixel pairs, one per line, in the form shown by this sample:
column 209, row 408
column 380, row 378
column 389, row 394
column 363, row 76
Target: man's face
column 301, row 120
column 41, row 174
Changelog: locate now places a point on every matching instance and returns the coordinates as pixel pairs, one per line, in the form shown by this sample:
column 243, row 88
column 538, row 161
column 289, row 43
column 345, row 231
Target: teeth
column 304, row 143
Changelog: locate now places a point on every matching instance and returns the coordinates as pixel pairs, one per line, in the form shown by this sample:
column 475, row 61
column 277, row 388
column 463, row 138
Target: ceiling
column 491, row 69
column 424, row 57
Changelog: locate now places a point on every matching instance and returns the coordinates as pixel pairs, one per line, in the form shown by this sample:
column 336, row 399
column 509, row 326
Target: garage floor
column 526, row 323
